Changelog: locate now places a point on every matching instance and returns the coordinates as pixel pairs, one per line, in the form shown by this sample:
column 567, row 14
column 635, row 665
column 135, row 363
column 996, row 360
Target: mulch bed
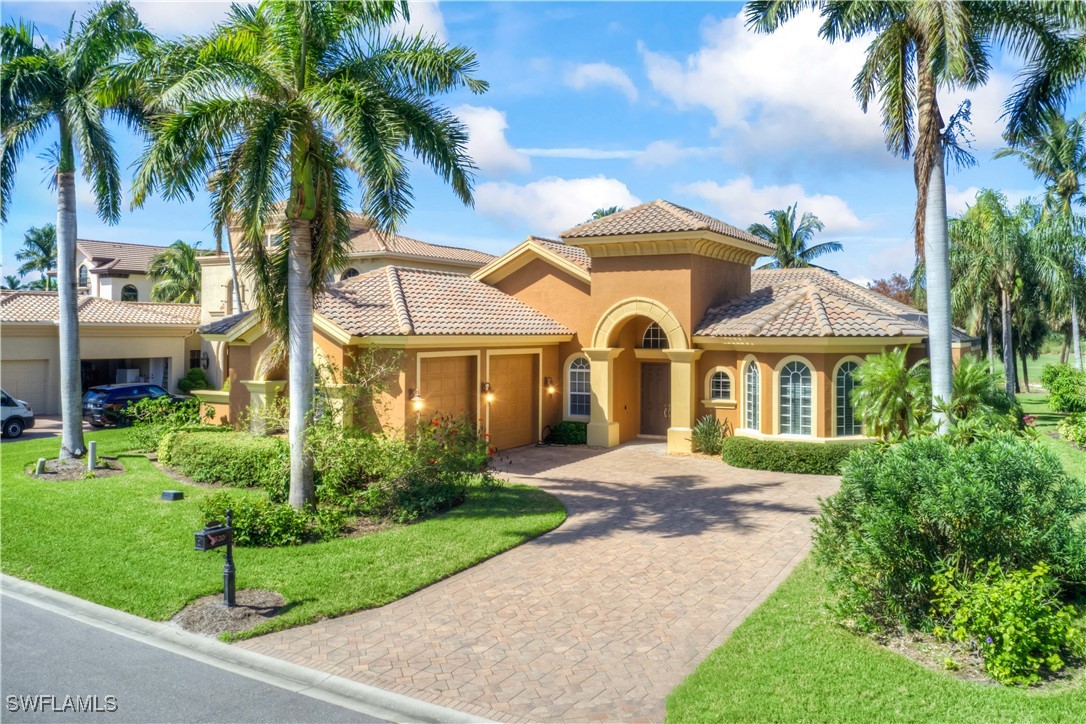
column 77, row 469
column 208, row 615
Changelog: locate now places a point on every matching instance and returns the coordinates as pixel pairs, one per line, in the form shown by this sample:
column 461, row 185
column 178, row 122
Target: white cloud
column 487, row 144
column 426, row 18
column 742, row 203
column 181, row 17
column 957, row 200
column 551, row 205
column 589, row 75
column 657, row 153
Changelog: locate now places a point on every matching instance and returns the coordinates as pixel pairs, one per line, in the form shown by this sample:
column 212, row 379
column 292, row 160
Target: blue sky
column 601, row 103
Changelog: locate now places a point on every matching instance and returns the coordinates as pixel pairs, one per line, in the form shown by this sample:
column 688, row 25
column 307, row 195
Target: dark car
column 105, row 404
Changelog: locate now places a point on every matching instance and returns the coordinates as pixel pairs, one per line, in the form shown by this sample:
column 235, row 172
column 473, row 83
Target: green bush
column 787, row 456
column 229, row 458
column 569, row 432
column 1073, row 429
column 194, row 379
column 708, row 435
column 1066, row 388
column 153, row 417
column 1014, row 619
column 905, row 509
column 259, row 521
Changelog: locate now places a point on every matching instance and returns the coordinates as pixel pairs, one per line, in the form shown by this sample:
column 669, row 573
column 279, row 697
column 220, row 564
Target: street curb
column 337, row 690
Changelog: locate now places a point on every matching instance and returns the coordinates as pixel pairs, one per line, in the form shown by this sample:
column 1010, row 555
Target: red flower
column 486, row 435
column 435, row 423
column 490, row 454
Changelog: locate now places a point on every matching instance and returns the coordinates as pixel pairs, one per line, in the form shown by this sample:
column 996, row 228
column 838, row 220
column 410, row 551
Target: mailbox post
column 216, row 536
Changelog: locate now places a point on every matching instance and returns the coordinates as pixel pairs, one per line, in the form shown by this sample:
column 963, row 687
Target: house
column 113, row 269
column 636, row 324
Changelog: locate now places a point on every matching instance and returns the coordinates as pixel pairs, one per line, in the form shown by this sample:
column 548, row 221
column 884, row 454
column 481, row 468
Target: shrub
column 787, row 456
column 892, row 397
column 1066, row 388
column 155, row 416
column 708, row 434
column 259, row 521
column 194, row 379
column 1014, row 619
column 1073, row 429
column 231, row 458
column 904, row 509
column 569, row 432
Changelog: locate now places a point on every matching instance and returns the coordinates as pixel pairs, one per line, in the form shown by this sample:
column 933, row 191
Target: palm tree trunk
column 1025, row 369
column 1009, row 370
column 1074, row 332
column 300, row 340
column 1063, row 349
column 991, row 340
column 233, row 268
column 937, row 270
column 71, row 408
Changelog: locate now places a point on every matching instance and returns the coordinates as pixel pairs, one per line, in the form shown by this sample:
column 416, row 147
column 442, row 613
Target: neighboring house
column 118, row 342
column 636, row 324
column 113, row 269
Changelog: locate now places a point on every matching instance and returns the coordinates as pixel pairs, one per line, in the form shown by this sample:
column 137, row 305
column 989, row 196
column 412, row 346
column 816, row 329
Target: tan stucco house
column 636, row 324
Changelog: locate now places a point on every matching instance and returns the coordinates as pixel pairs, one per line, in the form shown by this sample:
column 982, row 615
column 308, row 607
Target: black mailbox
column 214, row 536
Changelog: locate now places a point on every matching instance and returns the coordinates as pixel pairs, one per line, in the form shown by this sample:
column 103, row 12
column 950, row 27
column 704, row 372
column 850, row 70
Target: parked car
column 105, row 404
column 15, row 415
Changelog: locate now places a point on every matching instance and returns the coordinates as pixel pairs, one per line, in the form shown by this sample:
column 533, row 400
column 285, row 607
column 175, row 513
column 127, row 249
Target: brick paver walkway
column 659, row 561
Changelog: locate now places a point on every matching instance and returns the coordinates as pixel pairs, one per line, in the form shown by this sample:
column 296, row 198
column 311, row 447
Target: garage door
column 26, row 380
column 448, row 385
column 512, row 414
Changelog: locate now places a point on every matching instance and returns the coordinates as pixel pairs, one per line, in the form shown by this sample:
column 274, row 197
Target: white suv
column 15, row 415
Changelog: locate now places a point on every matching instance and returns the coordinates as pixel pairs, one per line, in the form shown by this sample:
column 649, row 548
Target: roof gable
column 572, row 260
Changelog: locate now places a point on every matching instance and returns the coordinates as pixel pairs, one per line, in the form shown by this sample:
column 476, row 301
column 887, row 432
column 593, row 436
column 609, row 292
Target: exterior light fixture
column 488, row 392
column 548, row 383
column 416, row 399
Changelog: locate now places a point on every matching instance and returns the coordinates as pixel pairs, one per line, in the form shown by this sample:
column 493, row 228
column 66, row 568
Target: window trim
column 833, row 383
column 729, row 402
column 747, row 362
column 663, row 337
column 777, row 397
column 567, row 394
column 83, row 276
column 135, row 291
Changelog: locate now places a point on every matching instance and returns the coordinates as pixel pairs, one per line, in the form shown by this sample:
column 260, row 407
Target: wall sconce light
column 548, row 384
column 488, row 392
column 416, row 399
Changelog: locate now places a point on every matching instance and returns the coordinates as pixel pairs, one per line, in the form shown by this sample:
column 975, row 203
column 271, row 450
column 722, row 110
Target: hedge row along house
column 637, row 324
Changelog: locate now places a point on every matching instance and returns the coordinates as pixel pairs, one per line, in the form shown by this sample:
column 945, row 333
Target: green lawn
column 1073, row 459
column 790, row 662
column 114, row 542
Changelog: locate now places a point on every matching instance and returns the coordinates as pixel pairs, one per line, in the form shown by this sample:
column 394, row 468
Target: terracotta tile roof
column 401, row 301
column 119, row 257
column 43, row 308
column 659, row 217
column 224, row 325
column 366, row 240
column 811, row 303
column 575, row 254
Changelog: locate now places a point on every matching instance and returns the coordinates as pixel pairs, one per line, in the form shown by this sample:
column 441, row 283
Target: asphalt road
column 45, row 653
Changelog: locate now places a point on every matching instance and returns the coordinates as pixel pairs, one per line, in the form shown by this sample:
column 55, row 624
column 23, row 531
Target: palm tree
column 891, row 396
column 12, row 282
column 39, row 252
column 916, row 48
column 66, row 88
column 1055, row 151
column 792, row 242
column 175, row 274
column 603, row 212
column 303, row 99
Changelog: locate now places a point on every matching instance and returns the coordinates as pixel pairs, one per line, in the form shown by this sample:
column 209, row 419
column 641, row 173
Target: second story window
column 129, row 294
column 83, row 280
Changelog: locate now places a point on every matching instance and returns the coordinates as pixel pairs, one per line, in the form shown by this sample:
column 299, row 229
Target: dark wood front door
column 655, row 399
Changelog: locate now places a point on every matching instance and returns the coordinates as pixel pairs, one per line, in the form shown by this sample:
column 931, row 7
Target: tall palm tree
column 916, row 48
column 65, row 89
column 12, row 282
column 793, row 249
column 39, row 252
column 304, row 99
column 175, row 274
column 1055, row 151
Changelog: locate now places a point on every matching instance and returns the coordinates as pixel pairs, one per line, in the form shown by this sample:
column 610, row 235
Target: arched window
column 654, row 337
column 848, row 423
column 720, row 386
column 795, row 400
column 83, row 281
column 580, row 388
column 352, row 272
column 129, row 293
column 752, row 381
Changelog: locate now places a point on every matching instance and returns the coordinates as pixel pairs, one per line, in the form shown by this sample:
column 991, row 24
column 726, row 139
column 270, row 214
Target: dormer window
column 654, row 337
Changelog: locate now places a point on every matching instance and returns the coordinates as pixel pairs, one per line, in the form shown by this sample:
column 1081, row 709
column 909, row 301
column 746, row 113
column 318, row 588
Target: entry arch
column 613, row 319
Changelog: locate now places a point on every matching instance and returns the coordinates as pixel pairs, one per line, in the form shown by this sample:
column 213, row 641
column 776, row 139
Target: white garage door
column 26, row 380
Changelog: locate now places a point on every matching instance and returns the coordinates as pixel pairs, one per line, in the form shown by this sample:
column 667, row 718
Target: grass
column 114, row 542
column 789, row 661
column 1073, row 459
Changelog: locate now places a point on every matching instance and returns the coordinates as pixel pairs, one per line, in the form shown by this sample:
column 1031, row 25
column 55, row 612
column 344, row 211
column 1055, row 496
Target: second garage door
column 448, row 385
column 513, row 413
column 25, row 380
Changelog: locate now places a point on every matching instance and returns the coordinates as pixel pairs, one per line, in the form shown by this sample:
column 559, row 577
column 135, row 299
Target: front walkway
column 659, row 561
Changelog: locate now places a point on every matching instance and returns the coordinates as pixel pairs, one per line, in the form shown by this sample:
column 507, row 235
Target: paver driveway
column 660, row 558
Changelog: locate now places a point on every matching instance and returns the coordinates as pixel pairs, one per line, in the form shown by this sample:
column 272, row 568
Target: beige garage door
column 26, row 380
column 512, row 414
column 448, row 385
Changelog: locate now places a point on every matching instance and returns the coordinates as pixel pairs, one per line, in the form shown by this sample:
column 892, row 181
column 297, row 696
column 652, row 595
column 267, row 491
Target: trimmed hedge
column 569, row 432
column 814, row 458
column 235, row 459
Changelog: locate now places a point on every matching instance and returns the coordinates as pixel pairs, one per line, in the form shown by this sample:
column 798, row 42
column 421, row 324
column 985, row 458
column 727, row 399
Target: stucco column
column 683, row 406
column 261, row 394
column 602, row 429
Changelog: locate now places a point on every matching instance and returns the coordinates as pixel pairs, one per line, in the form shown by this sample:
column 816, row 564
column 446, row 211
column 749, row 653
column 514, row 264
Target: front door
column 655, row 399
